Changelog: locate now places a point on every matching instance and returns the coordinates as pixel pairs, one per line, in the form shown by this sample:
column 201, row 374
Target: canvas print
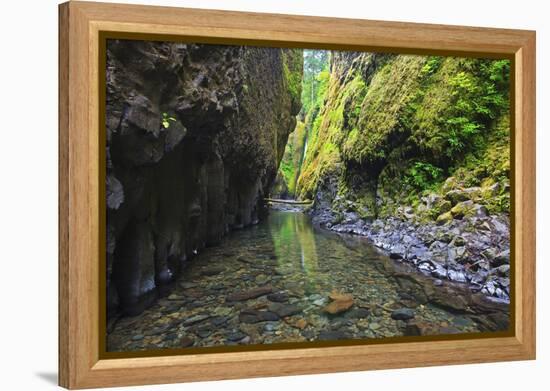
column 267, row 196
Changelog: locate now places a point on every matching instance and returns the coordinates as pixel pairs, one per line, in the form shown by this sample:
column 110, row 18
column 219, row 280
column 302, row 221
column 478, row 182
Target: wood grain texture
column 80, row 246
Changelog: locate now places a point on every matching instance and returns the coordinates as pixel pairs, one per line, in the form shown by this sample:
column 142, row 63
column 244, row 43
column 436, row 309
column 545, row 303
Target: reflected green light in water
column 295, row 247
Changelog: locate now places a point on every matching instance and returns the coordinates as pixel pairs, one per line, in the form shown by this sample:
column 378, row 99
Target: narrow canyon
column 396, row 173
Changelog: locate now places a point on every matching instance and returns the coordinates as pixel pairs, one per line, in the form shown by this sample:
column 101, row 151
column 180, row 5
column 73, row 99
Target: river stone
column 374, row 326
column 357, row 313
column 320, row 302
column 250, row 294
column 332, row 335
column 235, row 336
column 255, row 316
column 341, row 302
column 278, row 297
column 456, row 196
column 212, row 271
column 186, row 342
column 449, row 299
column 284, row 310
column 195, row 319
column 398, row 251
column 219, row 320
column 402, row 314
column 444, row 218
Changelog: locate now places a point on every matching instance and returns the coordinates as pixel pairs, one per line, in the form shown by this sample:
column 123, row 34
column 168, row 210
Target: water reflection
column 295, row 248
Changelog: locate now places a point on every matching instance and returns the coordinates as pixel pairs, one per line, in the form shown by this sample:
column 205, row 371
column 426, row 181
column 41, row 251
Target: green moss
column 292, row 72
column 292, row 158
column 400, row 125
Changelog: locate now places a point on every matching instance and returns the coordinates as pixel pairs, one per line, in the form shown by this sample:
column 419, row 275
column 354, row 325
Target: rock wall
column 195, row 134
column 413, row 151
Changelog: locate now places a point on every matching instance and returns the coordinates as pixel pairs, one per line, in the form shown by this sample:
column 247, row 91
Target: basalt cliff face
column 195, row 134
column 413, row 152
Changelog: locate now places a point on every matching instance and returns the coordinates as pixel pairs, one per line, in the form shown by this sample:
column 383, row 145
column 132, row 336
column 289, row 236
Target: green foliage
column 166, row 120
column 452, row 113
column 431, row 66
column 315, row 73
column 422, row 175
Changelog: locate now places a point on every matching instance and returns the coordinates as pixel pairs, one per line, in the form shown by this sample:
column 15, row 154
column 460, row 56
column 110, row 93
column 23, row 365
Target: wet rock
column 212, row 271
column 186, row 342
column 195, row 319
column 402, row 314
column 188, row 285
column 278, row 297
column 448, row 330
column 271, row 326
column 284, row 310
column 374, row 326
column 456, row 275
column 333, row 335
column 255, row 316
column 203, row 332
column 218, row 321
column 235, row 336
column 175, row 297
column 250, row 294
column 299, row 324
column 341, row 302
column 320, row 302
column 449, row 299
column 398, row 252
column 357, row 313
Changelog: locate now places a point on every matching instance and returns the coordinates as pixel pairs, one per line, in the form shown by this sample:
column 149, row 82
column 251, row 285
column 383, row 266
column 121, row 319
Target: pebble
column 402, row 314
column 236, row 336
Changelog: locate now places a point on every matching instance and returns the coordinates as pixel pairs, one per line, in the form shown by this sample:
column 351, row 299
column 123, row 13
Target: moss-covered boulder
column 444, row 218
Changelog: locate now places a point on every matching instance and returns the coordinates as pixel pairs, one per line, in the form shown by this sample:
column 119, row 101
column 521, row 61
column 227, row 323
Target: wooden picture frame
column 81, row 245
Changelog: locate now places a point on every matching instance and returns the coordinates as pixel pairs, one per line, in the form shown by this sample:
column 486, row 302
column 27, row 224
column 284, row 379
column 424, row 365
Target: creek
column 273, row 283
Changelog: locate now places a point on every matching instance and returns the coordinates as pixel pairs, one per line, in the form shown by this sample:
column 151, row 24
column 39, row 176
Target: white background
column 28, row 207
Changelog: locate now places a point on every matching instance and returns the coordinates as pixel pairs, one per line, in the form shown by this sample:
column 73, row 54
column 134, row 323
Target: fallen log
column 292, row 202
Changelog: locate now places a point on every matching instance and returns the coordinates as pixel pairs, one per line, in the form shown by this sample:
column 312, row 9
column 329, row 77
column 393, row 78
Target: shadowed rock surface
column 195, row 134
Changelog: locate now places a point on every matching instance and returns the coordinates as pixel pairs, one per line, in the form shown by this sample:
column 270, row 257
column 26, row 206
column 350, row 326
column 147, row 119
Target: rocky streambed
column 284, row 280
column 464, row 243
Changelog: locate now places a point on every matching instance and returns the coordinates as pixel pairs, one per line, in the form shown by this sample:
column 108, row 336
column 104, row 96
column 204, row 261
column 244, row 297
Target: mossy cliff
column 415, row 139
column 289, row 170
column 195, row 135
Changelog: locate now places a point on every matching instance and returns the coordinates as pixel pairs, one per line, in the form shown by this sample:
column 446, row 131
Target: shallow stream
column 272, row 283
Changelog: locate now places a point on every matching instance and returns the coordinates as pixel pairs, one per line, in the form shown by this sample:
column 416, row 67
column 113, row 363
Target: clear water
column 304, row 265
